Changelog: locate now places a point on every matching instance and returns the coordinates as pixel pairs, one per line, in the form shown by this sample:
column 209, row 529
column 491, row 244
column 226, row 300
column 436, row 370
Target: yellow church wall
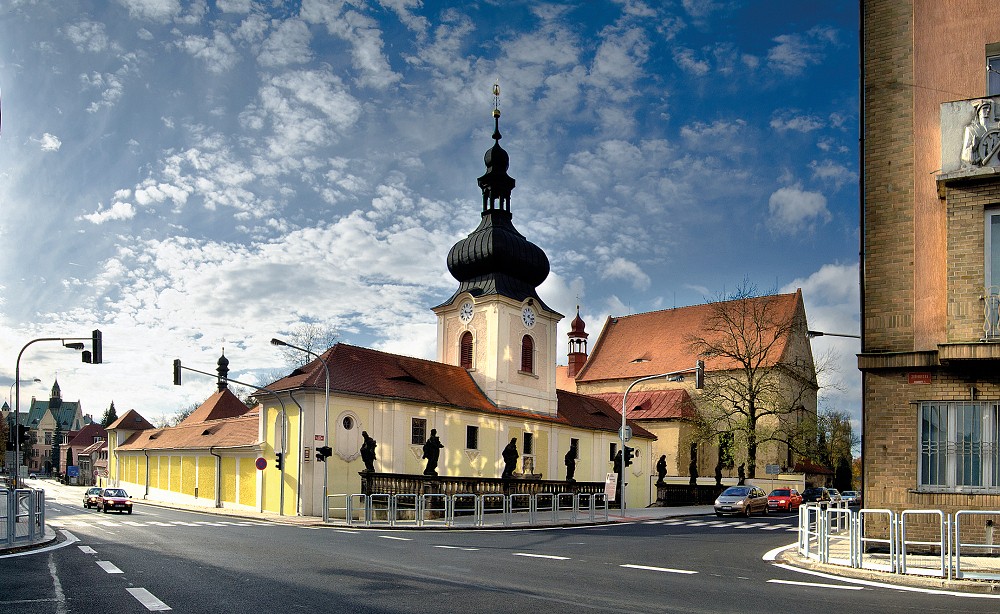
column 228, row 473
column 206, row 477
column 273, row 484
column 188, row 475
column 175, row 474
column 248, row 482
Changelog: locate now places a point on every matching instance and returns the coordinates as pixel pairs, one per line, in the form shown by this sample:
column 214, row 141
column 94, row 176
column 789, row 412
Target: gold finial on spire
column 496, row 99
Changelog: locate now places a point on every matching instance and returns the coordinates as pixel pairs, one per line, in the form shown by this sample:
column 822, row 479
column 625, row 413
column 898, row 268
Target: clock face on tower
column 528, row 316
column 465, row 312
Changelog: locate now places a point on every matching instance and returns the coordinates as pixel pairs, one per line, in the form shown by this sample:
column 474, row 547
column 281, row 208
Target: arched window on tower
column 465, row 350
column 527, row 354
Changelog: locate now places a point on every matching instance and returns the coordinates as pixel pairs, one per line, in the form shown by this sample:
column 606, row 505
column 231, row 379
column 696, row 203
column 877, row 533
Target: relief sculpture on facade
column 981, row 141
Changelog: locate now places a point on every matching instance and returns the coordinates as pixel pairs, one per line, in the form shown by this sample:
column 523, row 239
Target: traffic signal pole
column 95, row 356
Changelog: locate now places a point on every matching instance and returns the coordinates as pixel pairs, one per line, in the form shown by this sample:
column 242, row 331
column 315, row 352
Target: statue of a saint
column 432, row 449
column 743, row 474
column 570, row 461
column 981, row 140
column 368, row 452
column 661, row 470
column 510, row 455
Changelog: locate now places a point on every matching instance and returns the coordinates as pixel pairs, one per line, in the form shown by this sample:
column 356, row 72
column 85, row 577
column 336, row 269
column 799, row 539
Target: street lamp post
column 94, row 357
column 698, row 370
column 10, row 397
column 326, row 419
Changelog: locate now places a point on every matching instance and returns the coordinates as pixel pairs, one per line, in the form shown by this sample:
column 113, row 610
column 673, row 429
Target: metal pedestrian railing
column 913, row 542
column 23, row 519
column 466, row 509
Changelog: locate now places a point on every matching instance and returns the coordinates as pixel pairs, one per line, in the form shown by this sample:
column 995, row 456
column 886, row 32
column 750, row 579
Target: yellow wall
column 248, row 482
column 175, row 474
column 206, row 477
column 229, row 480
column 188, row 464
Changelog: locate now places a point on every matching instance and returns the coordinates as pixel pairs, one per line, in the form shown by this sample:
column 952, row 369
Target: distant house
column 83, row 448
column 47, row 421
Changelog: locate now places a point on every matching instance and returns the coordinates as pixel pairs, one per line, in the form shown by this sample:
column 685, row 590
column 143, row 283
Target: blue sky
column 192, row 175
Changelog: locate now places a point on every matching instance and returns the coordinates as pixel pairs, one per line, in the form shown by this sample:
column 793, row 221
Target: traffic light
column 628, row 456
column 323, row 452
column 22, row 434
column 97, row 348
column 177, row 372
column 279, row 458
column 699, row 374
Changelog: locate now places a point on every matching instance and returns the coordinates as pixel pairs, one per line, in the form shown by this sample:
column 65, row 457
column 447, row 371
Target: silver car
column 741, row 500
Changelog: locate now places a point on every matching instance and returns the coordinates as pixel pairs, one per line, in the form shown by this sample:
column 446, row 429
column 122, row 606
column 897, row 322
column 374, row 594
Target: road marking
column 109, row 567
column 346, row 531
column 87, row 550
column 458, row 548
column 133, row 523
column 773, row 527
column 70, row 540
column 897, row 587
column 660, row 569
column 818, row 585
column 542, row 556
column 107, row 523
column 147, row 599
column 155, row 523
column 184, row 524
column 402, row 539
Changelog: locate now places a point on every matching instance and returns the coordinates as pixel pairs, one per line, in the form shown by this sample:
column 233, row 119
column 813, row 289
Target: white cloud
column 794, row 211
column 154, row 10
column 117, row 211
column 786, row 120
column 363, row 35
column 217, row 51
column 828, row 170
column 50, row 142
column 288, row 44
column 686, row 60
column 620, row 268
column 87, row 36
column 794, row 53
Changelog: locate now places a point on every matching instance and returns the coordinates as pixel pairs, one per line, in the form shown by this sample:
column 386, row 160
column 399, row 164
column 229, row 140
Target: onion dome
column 495, row 258
column 223, row 371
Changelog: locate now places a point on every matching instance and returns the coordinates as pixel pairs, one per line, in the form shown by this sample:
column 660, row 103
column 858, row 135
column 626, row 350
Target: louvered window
column 466, row 350
column 527, row 354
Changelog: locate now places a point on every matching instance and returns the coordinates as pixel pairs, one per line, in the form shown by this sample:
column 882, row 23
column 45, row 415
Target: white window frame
column 982, row 453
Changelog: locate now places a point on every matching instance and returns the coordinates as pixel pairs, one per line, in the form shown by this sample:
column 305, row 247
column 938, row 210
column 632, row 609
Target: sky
column 189, row 176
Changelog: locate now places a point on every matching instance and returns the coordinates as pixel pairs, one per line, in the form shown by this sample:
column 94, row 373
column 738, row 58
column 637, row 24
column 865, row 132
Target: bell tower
column 495, row 324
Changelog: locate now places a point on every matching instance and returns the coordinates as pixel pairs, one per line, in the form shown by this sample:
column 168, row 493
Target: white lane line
column 156, row 523
column 147, row 599
column 107, row 523
column 897, row 587
column 109, row 567
column 818, row 585
column 773, row 527
column 458, row 548
column 70, row 540
column 346, row 531
column 133, row 523
column 542, row 556
column 402, row 539
column 87, row 550
column 184, row 524
column 660, row 569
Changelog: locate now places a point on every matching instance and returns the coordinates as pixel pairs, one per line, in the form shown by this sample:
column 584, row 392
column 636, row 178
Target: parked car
column 741, row 500
column 852, row 497
column 816, row 495
column 114, row 499
column 90, row 497
column 834, row 495
column 787, row 499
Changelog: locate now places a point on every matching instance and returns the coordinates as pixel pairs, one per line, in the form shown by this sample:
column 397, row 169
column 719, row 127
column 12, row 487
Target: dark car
column 90, row 497
column 741, row 500
column 816, row 495
column 114, row 499
column 787, row 499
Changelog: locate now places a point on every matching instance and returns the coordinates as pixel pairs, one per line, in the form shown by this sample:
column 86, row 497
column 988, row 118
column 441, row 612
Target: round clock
column 528, row 316
column 465, row 312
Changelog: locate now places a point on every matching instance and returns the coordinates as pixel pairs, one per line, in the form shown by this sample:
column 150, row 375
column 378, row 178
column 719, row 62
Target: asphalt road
column 160, row 558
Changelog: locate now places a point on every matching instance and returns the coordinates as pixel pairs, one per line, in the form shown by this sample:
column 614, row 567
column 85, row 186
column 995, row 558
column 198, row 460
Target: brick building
column 930, row 265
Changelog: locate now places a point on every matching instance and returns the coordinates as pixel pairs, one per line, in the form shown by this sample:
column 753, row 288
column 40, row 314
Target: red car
column 114, row 499
column 786, row 499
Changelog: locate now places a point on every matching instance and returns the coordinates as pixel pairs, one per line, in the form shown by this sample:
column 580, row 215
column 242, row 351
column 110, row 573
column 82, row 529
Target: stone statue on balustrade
column 368, row 452
column 570, row 461
column 432, row 450
column 510, row 456
column 661, row 470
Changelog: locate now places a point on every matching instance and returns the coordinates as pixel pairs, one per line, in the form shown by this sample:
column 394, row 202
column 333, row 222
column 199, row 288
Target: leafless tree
column 308, row 335
column 756, row 393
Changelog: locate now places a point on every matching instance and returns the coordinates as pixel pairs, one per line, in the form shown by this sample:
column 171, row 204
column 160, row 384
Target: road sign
column 625, row 433
column 261, row 463
column 73, row 471
column 611, row 486
column 772, row 469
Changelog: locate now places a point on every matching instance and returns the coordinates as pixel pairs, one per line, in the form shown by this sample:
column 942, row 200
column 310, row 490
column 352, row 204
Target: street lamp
column 10, row 392
column 326, row 420
column 812, row 334
column 94, row 357
column 624, row 434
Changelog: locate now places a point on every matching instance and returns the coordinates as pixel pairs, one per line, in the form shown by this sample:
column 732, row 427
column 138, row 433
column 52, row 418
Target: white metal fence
column 23, row 516
column 915, row 542
column 465, row 510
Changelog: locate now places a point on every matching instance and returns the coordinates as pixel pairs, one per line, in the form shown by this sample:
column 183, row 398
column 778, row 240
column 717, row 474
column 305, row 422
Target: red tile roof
column 225, row 433
column 630, row 347
column 367, row 372
column 590, row 412
column 653, row 404
column 131, row 421
column 85, row 436
column 222, row 404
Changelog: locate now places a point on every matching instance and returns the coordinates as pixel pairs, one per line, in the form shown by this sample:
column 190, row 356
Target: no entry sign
column 261, row 463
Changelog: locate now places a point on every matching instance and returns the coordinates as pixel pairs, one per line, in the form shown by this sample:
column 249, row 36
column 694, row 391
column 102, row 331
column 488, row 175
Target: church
column 492, row 386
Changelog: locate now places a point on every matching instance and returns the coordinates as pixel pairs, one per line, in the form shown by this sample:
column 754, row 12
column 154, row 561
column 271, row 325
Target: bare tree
column 308, row 335
column 757, row 393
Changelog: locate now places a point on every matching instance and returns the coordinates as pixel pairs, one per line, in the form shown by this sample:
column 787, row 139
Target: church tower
column 495, row 324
